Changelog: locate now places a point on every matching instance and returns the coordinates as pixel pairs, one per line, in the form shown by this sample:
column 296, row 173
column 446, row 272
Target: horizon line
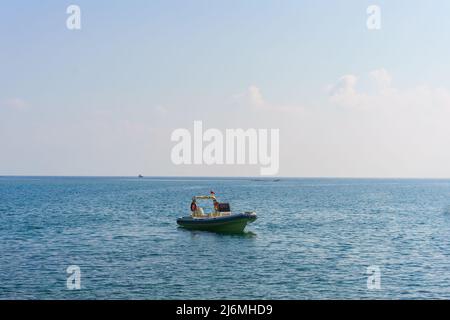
column 219, row 177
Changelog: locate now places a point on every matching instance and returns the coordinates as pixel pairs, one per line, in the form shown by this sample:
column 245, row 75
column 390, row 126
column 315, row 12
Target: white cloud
column 382, row 78
column 383, row 130
column 161, row 109
column 254, row 98
column 346, row 93
column 15, row 103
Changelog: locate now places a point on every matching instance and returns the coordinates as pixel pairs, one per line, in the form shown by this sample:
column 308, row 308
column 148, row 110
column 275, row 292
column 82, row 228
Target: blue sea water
column 314, row 239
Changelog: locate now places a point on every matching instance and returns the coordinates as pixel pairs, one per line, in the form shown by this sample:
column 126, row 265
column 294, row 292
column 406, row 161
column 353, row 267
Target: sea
column 313, row 239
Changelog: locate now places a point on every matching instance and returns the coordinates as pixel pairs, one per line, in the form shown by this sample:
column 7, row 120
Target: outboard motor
column 224, row 207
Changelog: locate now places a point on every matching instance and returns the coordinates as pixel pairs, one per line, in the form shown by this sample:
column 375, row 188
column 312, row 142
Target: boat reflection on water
column 198, row 233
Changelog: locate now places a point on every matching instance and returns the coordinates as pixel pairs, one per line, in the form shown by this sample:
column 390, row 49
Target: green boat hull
column 227, row 224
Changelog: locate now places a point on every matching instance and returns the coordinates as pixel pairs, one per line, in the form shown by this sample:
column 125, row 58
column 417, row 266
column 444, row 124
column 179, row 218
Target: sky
column 103, row 100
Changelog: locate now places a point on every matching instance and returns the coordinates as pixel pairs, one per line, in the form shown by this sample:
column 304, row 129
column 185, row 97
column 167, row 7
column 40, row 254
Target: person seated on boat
column 193, row 205
column 197, row 211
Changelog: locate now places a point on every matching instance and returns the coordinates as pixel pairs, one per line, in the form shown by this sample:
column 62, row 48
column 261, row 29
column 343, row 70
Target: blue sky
column 103, row 100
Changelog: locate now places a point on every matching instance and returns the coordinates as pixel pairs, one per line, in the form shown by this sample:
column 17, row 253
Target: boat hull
column 235, row 223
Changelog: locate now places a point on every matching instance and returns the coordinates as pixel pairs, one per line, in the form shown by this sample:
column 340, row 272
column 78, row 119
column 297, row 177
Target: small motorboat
column 219, row 220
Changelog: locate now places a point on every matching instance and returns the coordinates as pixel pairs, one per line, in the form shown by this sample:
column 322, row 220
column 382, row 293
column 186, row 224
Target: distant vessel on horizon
column 140, row 176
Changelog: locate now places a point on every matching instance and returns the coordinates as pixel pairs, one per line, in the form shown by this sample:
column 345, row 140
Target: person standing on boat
column 216, row 206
